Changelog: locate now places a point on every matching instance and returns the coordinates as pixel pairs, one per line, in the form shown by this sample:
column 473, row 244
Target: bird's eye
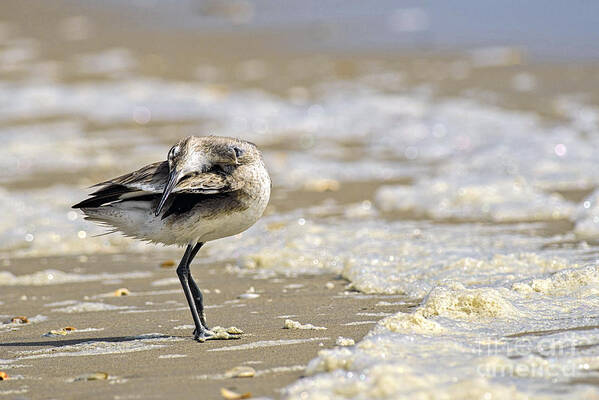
column 174, row 152
column 238, row 151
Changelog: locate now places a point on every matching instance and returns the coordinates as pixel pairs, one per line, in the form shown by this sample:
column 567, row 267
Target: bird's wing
column 208, row 183
column 150, row 180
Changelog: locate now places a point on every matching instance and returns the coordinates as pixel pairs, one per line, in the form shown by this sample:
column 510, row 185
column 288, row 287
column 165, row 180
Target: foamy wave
column 394, row 257
column 497, row 340
column 498, row 201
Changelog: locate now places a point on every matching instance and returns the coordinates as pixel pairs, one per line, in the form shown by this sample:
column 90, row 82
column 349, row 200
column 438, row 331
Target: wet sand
column 485, row 154
column 181, row 366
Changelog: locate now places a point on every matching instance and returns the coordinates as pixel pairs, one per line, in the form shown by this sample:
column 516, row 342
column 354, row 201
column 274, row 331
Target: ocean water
column 479, row 204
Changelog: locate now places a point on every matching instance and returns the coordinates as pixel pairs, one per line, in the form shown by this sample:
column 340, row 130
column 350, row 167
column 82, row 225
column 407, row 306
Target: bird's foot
column 195, row 331
column 218, row 333
column 203, row 335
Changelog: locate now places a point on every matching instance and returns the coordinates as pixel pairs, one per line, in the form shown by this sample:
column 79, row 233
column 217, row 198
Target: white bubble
column 560, row 149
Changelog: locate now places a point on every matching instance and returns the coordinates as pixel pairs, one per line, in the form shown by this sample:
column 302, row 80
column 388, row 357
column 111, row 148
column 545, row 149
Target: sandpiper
column 209, row 188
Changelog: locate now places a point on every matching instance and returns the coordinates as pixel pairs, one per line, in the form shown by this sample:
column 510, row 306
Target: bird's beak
column 173, row 178
column 233, row 160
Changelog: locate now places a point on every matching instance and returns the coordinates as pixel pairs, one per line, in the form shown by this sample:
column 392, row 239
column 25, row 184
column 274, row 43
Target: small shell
column 167, row 264
column 20, row 319
column 122, row 292
column 94, row 376
column 231, row 395
column 3, row 376
column 69, row 328
column 241, row 371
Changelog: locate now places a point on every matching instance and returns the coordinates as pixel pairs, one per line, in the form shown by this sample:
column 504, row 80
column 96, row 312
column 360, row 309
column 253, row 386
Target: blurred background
column 443, row 152
column 344, row 97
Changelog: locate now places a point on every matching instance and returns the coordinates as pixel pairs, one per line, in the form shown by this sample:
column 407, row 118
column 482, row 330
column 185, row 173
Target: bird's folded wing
column 208, row 183
column 151, row 179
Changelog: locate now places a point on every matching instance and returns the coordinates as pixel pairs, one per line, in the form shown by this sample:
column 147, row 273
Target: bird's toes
column 203, row 335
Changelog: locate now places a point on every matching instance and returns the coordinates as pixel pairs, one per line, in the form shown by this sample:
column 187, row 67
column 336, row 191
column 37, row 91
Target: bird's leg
column 200, row 332
column 195, row 290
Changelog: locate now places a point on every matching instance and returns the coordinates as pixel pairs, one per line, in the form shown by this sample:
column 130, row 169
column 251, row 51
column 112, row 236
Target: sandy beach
column 435, row 199
column 145, row 344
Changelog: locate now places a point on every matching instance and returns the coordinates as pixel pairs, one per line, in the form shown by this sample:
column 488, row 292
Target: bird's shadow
column 70, row 342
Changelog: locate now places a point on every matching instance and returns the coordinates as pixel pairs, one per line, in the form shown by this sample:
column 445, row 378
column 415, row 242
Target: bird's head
column 195, row 155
